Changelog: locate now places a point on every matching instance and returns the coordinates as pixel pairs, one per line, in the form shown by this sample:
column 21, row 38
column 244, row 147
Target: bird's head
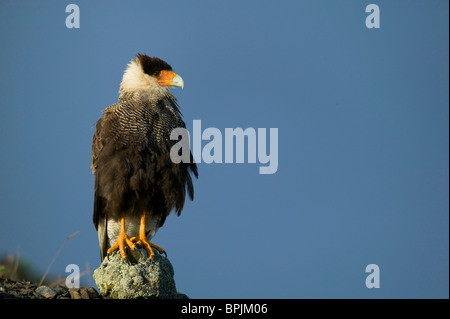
column 149, row 74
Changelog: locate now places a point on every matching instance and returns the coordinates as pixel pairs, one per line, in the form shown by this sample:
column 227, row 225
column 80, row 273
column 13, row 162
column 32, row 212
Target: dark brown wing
column 100, row 213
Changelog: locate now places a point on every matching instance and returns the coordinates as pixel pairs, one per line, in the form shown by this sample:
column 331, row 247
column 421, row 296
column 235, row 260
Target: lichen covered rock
column 140, row 277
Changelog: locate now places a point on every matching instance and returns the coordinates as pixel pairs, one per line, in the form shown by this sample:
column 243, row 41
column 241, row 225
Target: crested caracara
column 136, row 183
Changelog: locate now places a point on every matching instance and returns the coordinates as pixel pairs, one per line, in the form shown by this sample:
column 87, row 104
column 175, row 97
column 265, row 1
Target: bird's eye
column 156, row 73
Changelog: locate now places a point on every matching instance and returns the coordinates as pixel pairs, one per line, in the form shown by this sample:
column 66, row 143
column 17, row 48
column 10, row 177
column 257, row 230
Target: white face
column 134, row 78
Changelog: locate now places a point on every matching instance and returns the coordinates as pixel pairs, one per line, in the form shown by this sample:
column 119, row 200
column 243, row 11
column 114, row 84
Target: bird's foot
column 122, row 241
column 144, row 243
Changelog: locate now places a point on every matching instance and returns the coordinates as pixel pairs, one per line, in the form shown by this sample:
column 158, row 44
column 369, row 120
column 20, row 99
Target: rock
column 140, row 277
column 11, row 289
column 46, row 292
column 77, row 293
column 84, row 293
column 92, row 293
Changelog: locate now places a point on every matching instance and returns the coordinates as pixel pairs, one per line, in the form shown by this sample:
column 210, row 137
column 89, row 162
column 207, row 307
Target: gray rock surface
column 46, row 292
column 140, row 277
column 12, row 289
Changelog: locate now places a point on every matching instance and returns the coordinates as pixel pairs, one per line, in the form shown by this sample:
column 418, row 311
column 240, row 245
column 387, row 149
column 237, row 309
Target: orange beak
column 170, row 78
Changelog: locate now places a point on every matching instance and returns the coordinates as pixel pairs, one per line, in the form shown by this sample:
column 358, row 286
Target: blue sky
column 363, row 134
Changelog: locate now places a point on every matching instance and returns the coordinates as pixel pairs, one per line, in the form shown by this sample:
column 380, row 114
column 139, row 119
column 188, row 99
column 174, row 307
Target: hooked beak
column 170, row 78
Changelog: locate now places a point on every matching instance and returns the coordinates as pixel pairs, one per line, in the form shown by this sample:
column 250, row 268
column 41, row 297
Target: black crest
column 152, row 66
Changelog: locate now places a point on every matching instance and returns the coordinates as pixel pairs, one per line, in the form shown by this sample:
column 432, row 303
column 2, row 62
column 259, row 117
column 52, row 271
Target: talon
column 144, row 243
column 122, row 241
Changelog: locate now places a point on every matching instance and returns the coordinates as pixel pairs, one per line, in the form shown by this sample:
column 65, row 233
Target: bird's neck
column 145, row 95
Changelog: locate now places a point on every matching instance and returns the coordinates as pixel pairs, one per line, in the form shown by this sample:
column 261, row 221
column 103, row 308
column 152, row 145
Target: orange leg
column 121, row 241
column 143, row 242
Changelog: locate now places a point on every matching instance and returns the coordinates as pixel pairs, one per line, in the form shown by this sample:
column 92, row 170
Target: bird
column 137, row 185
